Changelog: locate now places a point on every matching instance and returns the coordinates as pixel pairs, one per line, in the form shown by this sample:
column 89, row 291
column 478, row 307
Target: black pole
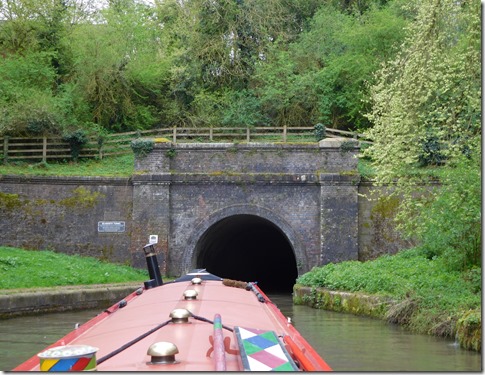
column 130, row 343
column 152, row 265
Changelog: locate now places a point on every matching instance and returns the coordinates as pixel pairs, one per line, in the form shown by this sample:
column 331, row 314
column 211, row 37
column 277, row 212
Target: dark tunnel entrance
column 248, row 248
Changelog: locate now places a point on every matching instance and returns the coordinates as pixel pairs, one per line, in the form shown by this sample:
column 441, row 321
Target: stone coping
column 61, row 288
column 249, row 178
column 329, row 143
column 66, row 180
column 20, row 302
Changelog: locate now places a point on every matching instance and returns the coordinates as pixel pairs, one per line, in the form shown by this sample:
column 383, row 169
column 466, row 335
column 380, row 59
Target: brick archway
column 307, row 191
column 247, row 216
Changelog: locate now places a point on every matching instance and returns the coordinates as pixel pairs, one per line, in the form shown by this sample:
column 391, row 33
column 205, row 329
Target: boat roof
column 221, row 310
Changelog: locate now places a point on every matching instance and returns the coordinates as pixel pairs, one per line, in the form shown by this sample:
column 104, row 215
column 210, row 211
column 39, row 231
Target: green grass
column 37, row 269
column 119, row 166
column 407, row 273
column 439, row 295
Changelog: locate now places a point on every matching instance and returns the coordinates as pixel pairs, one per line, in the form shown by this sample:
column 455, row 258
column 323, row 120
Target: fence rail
column 55, row 148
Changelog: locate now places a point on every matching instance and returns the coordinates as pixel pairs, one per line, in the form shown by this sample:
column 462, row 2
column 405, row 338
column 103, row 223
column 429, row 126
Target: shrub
column 450, row 226
column 76, row 140
column 142, row 147
column 320, row 131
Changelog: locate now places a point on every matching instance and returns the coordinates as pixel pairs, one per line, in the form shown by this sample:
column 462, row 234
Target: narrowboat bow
column 199, row 322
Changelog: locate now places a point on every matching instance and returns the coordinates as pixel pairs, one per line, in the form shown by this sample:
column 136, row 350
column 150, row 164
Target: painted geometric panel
column 262, row 351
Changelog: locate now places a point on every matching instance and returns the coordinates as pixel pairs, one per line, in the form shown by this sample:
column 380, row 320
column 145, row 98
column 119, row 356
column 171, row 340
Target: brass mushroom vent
column 180, row 316
column 162, row 353
column 190, row 294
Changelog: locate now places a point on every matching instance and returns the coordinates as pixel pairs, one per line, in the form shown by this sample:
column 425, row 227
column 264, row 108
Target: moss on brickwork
column 107, row 252
column 354, row 303
column 349, row 173
column 81, row 198
column 386, row 238
column 385, row 208
column 382, row 216
column 468, row 328
column 162, row 140
column 9, row 201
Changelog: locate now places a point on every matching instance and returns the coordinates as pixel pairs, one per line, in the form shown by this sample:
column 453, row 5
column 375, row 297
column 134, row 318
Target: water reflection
column 353, row 343
column 24, row 337
column 346, row 342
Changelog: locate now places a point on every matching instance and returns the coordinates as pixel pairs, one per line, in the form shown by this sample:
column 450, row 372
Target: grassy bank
column 119, row 166
column 38, row 269
column 430, row 299
column 116, row 166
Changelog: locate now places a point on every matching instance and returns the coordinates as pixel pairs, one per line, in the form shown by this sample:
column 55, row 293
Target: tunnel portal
column 248, row 248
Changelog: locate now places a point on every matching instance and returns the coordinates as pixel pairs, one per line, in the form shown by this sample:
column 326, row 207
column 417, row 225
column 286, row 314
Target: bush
column 319, row 131
column 242, row 108
column 142, row 147
column 450, row 226
column 76, row 140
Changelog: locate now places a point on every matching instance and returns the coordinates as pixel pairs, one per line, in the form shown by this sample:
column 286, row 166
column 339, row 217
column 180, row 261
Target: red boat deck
column 194, row 339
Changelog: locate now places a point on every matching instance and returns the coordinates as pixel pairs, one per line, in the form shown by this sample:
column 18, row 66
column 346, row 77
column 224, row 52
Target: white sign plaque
column 111, row 226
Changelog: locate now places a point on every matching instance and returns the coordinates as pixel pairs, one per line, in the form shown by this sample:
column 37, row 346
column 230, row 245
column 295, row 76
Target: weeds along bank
column 406, row 289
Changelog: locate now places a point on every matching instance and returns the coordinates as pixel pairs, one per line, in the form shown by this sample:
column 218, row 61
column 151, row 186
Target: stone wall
column 331, row 155
column 311, row 192
column 62, row 214
column 377, row 230
column 65, row 298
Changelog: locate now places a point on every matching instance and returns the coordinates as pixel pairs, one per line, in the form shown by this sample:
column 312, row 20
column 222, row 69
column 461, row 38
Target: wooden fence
column 54, row 148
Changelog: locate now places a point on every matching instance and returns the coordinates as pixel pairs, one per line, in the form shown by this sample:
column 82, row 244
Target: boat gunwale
column 32, row 362
column 287, row 329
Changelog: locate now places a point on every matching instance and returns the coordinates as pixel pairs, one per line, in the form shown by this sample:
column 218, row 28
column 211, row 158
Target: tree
column 432, row 91
column 321, row 76
column 217, row 46
column 362, row 43
column 115, row 63
column 36, row 97
column 287, row 96
column 27, row 104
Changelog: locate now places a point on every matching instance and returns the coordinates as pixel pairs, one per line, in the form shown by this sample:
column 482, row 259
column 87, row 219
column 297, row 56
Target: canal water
column 353, row 343
column 347, row 343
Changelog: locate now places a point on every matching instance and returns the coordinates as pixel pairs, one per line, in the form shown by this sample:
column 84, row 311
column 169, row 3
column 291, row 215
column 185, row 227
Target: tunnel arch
column 247, row 243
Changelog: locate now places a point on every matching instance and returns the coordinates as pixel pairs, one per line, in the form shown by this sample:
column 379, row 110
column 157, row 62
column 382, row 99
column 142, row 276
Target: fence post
column 284, row 133
column 44, row 149
column 174, row 134
column 5, row 150
column 248, row 135
column 210, row 134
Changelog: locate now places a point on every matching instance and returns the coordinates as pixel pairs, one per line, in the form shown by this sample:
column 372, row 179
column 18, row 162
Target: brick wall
column 310, row 192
